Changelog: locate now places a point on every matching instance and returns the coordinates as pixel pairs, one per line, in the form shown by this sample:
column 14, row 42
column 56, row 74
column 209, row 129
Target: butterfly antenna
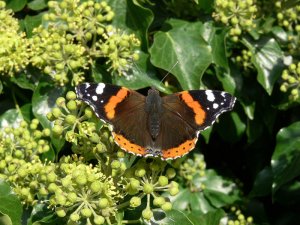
column 169, row 71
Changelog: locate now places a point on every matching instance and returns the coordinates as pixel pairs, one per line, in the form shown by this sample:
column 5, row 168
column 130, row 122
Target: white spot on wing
column 101, row 101
column 100, row 88
column 215, row 105
column 210, row 95
column 95, row 98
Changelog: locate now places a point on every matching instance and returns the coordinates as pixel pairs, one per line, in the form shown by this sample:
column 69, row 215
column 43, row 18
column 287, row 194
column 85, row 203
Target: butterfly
column 165, row 127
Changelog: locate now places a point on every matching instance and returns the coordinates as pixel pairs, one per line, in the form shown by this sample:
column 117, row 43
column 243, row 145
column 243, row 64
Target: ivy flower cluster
column 237, row 217
column 237, row 14
column 20, row 148
column 244, row 60
column 146, row 180
column 14, row 47
column 82, row 192
column 77, row 34
column 289, row 19
column 291, row 81
column 192, row 168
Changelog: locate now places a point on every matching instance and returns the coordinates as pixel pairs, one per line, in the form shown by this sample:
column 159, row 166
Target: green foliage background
column 252, row 154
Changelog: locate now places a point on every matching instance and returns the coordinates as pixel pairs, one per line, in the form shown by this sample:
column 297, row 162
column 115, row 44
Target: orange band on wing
column 114, row 101
column 199, row 112
column 127, row 145
column 180, row 150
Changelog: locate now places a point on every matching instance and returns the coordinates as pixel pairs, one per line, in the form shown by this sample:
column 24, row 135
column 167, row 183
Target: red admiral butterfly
column 152, row 125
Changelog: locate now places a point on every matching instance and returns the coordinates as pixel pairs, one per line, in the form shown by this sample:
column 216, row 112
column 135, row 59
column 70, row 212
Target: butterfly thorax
column 154, row 110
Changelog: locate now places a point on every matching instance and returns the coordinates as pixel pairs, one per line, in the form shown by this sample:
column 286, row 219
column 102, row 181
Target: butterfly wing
column 124, row 109
column 185, row 114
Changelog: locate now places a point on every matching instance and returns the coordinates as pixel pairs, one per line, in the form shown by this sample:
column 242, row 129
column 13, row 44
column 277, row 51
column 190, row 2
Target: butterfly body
column 152, row 125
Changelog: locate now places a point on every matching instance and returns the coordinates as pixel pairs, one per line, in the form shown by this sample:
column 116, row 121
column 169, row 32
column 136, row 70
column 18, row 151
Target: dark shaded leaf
column 31, row 22
column 10, row 204
column 182, row 43
column 263, row 183
column 286, row 157
column 267, row 57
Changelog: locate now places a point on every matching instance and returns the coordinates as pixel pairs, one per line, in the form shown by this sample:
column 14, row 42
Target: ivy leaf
column 267, row 59
column 10, row 205
column 37, row 4
column 43, row 100
column 16, row 5
column 218, row 191
column 193, row 45
column 142, row 75
column 187, row 199
column 286, row 157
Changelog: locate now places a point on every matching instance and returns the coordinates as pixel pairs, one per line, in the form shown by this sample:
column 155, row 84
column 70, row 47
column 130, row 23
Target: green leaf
column 263, row 183
column 1, row 87
column 16, row 5
column 5, row 220
column 11, row 117
column 43, row 100
column 176, row 217
column 187, row 199
column 37, row 5
column 267, row 59
column 24, row 81
column 210, row 218
column 231, row 127
column 141, row 76
column 289, row 193
column 193, row 45
column 132, row 17
column 31, row 22
column 286, row 157
column 10, row 204
column 218, row 191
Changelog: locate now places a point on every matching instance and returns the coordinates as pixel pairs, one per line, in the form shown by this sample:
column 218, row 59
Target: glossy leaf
column 10, row 204
column 185, row 43
column 187, row 199
column 286, row 157
column 43, row 100
column 267, row 57
column 218, row 190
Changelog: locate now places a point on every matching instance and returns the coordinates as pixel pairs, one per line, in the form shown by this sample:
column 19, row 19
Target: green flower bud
column 159, row 201
column 103, row 203
column 71, row 95
column 57, row 130
column 135, row 202
column 167, row 206
column 96, row 186
column 72, row 197
column 70, row 119
column 140, row 172
column 163, row 181
column 81, row 180
column 147, row 214
column 74, row 217
column 99, row 220
column 148, row 188
column 71, row 105
column 60, row 212
column 60, row 101
column 86, row 212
